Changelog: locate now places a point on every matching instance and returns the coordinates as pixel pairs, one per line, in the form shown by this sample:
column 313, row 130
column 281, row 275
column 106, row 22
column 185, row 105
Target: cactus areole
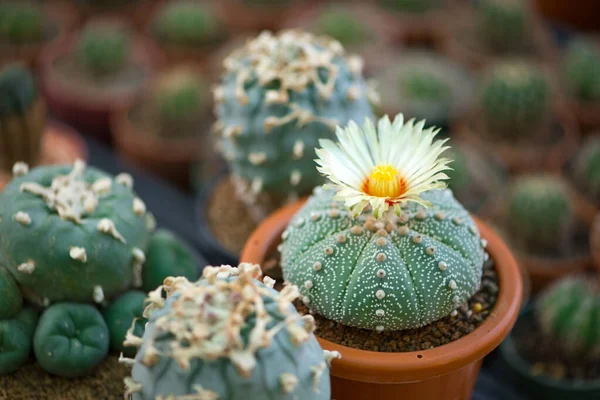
column 71, row 233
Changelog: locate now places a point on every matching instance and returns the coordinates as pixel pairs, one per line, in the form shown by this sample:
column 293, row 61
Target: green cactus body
column 279, row 95
column 342, row 25
column 186, row 23
column 515, row 100
column 103, row 48
column 569, row 312
column 16, row 338
column 380, row 275
column 22, row 117
column 581, row 70
column 21, row 23
column 71, row 339
column 412, row 6
column 71, row 233
column 539, row 214
column 12, row 301
column 119, row 317
column 504, row 25
column 587, row 168
column 255, row 344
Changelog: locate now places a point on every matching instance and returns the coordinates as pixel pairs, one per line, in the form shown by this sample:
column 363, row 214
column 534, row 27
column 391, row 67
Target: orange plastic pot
column 447, row 371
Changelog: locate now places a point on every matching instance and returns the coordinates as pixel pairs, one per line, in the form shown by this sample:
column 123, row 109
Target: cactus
column 279, row 95
column 186, row 23
column 21, row 23
column 22, row 117
column 227, row 336
column 412, row 6
column 394, row 274
column 342, row 25
column 581, row 70
column 16, row 337
column 569, row 312
column 12, row 301
column 70, row 339
column 120, row 316
column 71, row 233
column 586, row 169
column 503, row 25
column 515, row 100
column 103, row 48
column 539, row 214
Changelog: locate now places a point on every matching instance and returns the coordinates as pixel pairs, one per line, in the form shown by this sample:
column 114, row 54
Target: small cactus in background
column 342, row 25
column 253, row 343
column 22, row 117
column 586, row 168
column 21, row 23
column 412, row 6
column 186, row 23
column 515, row 100
column 103, row 48
column 504, row 25
column 581, row 70
column 16, row 338
column 539, row 214
column 569, row 312
column 278, row 96
column 72, row 233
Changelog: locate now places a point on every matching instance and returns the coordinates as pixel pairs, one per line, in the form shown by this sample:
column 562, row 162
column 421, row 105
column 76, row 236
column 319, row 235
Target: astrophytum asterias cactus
column 227, row 336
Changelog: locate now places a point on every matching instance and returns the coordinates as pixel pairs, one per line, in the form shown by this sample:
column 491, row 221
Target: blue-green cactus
column 279, row 95
column 120, row 316
column 394, row 274
column 16, row 338
column 71, row 233
column 228, row 336
column 12, row 300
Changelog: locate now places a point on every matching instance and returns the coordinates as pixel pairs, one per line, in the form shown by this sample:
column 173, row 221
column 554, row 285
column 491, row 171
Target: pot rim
column 381, row 367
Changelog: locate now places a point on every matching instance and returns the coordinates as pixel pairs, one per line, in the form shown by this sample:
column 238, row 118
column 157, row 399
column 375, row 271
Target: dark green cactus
column 22, row 117
column 21, row 22
column 186, row 23
column 539, row 214
column 581, row 70
column 70, row 339
column 278, row 96
column 515, row 100
column 569, row 312
column 586, row 169
column 119, row 317
column 103, row 48
column 342, row 25
column 12, row 301
column 16, row 338
column 504, row 25
column 253, row 345
column 70, row 233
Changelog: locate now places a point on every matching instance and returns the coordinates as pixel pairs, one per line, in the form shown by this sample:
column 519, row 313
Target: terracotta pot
column 90, row 113
column 447, row 371
column 240, row 17
column 583, row 14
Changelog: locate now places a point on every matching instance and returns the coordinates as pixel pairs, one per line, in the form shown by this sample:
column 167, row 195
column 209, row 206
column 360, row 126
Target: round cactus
column 21, row 23
column 383, row 275
column 71, row 233
column 12, row 301
column 504, row 25
column 587, row 168
column 16, row 337
column 539, row 214
column 124, row 311
column 581, row 70
column 22, row 117
column 413, row 6
column 515, row 100
column 103, row 48
column 186, row 23
column 569, row 312
column 342, row 25
column 71, row 339
column 279, row 95
column 228, row 336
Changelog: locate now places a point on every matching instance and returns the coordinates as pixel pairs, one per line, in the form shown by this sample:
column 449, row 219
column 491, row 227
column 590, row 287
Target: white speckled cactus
column 279, row 95
column 227, row 336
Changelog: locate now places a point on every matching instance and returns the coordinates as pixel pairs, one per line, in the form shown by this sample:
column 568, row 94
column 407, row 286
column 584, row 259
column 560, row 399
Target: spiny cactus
column 22, row 117
column 581, row 70
column 413, row 6
column 227, row 336
column 16, row 338
column 72, row 233
column 504, row 25
column 587, row 168
column 186, row 23
column 539, row 214
column 515, row 100
column 103, row 48
column 569, row 312
column 279, row 95
column 21, row 23
column 383, row 275
column 342, row 25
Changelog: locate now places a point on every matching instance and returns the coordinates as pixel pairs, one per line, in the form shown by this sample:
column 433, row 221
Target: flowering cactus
column 227, row 336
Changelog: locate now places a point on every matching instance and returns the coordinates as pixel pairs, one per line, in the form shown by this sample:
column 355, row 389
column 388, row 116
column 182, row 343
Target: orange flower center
column 384, row 181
